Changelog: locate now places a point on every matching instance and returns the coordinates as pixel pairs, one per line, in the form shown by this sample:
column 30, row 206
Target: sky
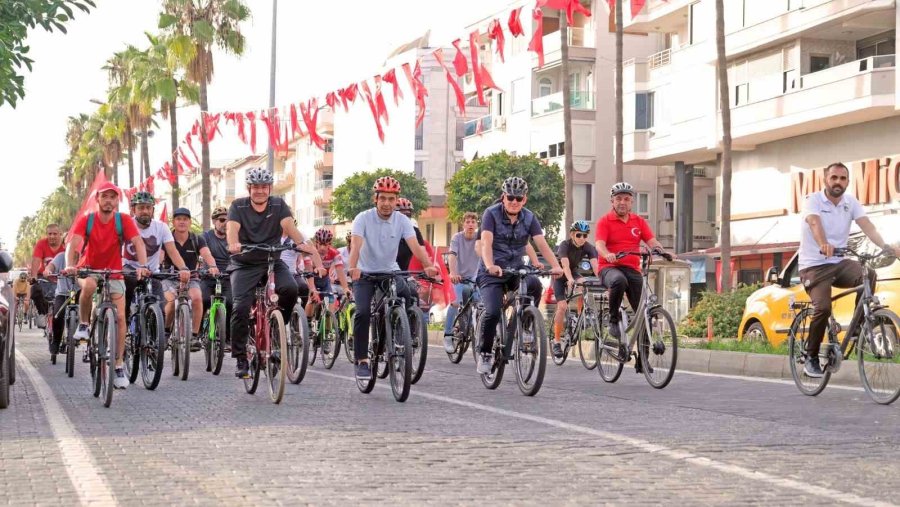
column 321, row 46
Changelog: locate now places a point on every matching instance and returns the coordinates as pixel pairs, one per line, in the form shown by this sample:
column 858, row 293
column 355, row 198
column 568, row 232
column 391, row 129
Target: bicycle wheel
column 277, row 345
column 418, row 341
column 315, row 329
column 4, row 371
column 381, row 368
column 153, row 346
column 492, row 380
column 797, row 355
column 565, row 341
column 132, row 357
column 297, row 347
column 609, row 352
column 250, row 384
column 99, row 366
column 331, row 338
column 460, row 336
column 12, row 359
column 659, row 350
column 346, row 320
column 531, row 351
column 399, row 353
column 878, row 350
column 216, row 345
column 184, row 322
column 587, row 352
column 71, row 324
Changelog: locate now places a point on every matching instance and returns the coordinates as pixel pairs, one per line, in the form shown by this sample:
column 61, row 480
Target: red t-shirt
column 331, row 259
column 623, row 237
column 44, row 252
column 103, row 249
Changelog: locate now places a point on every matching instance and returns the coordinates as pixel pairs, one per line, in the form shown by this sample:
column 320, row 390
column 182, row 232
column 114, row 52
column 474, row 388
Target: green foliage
column 726, row 310
column 16, row 18
column 354, row 195
column 58, row 208
column 477, row 185
column 732, row 345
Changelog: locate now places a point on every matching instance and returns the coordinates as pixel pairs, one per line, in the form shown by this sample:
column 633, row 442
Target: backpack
column 90, row 226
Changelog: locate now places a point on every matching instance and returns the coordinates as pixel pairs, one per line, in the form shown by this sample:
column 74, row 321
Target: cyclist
column 827, row 216
column 376, row 239
column 191, row 248
column 404, row 254
column 463, row 260
column 294, row 261
column 578, row 259
column 506, row 228
column 44, row 251
column 218, row 248
column 54, row 267
column 333, row 263
column 21, row 289
column 103, row 250
column 260, row 218
column 620, row 230
column 345, row 250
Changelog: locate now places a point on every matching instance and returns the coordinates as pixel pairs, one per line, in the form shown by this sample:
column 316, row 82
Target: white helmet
column 621, row 187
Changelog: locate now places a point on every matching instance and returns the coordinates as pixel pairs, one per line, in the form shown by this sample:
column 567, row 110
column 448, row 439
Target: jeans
column 462, row 292
column 41, row 295
column 620, row 280
column 492, row 289
column 363, row 292
column 244, row 279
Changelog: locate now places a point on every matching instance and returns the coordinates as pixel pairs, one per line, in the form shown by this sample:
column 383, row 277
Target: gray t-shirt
column 466, row 257
column 382, row 239
column 155, row 236
column 62, row 284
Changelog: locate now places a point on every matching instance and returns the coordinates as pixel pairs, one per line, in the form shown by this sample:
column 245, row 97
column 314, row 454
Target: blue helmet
column 580, row 226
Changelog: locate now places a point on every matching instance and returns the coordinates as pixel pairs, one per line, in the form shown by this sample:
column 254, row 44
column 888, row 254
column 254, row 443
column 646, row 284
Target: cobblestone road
column 703, row 440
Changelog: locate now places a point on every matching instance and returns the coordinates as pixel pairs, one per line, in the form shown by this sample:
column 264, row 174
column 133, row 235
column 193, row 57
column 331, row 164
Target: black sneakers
column 243, row 368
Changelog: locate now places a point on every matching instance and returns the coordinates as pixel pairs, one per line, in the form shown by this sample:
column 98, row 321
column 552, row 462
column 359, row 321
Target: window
column 581, row 201
column 500, row 104
column 790, row 80
column 449, row 232
column 741, row 94
column 519, row 96
column 419, row 167
column 669, row 207
column 711, row 209
column 749, row 276
column 642, row 205
column 552, row 150
column 695, row 23
column 643, row 111
column 819, row 62
column 561, row 147
column 545, row 87
column 542, row 155
column 429, row 233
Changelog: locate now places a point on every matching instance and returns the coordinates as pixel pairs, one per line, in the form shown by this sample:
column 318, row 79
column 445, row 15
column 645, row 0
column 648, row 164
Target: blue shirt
column 381, row 239
column 509, row 238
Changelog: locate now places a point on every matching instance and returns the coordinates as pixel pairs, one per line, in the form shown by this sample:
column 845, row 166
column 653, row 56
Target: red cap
column 109, row 186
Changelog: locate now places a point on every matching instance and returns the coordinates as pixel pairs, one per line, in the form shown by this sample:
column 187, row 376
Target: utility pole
column 270, row 160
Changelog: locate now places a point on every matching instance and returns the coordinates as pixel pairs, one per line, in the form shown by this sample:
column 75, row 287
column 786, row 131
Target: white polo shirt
column 836, row 220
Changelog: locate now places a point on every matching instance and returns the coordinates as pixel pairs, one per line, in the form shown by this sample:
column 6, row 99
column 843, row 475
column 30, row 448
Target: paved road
column 703, row 440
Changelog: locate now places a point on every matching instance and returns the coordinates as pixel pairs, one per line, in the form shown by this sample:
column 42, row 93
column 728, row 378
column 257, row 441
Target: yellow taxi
column 767, row 313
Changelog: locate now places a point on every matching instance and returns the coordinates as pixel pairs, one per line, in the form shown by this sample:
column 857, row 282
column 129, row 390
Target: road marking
column 646, row 446
column 87, row 479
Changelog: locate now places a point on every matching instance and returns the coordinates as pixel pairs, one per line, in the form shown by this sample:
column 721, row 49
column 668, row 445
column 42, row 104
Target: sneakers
column 227, row 347
column 242, row 370
column 195, row 343
column 812, row 368
column 614, row 330
column 54, row 347
column 557, row 350
column 638, row 366
column 120, row 382
column 449, row 346
column 484, row 364
column 363, row 372
column 81, row 333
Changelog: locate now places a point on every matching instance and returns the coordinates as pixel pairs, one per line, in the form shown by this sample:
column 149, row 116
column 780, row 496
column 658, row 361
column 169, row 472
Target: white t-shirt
column 289, row 257
column 155, row 236
column 836, row 221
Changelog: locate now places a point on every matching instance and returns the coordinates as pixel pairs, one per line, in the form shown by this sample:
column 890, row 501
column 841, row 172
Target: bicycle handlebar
column 665, row 255
column 849, row 252
column 525, row 271
column 270, row 249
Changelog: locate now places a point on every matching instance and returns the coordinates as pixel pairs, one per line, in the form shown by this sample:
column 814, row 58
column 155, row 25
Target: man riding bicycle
column 506, row 228
column 218, row 247
column 102, row 249
column 21, row 288
column 463, row 260
column 333, row 263
column 578, row 259
column 826, row 225
column 44, row 251
column 377, row 233
column 258, row 219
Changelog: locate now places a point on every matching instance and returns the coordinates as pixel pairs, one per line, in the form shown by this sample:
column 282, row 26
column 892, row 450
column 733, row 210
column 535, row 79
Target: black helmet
column 514, row 186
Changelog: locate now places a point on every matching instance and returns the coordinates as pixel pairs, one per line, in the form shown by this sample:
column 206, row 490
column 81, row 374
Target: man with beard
column 44, row 252
column 826, row 226
column 218, row 247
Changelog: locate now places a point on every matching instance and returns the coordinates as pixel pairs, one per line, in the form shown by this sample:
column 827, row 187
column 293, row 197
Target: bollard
column 709, row 328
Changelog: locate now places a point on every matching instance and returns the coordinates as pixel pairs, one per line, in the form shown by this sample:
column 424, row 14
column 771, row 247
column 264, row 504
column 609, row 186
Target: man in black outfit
column 218, row 247
column 259, row 219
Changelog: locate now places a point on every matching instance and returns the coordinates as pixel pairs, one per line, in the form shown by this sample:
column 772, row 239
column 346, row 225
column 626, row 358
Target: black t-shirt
column 404, row 254
column 189, row 251
column 579, row 258
column 218, row 247
column 258, row 227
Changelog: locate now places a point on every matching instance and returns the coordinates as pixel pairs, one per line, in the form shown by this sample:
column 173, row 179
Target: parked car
column 767, row 314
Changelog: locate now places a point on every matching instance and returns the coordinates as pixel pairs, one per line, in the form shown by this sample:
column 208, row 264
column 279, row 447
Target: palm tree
column 119, row 70
column 569, row 170
column 204, row 24
column 725, row 106
column 620, row 171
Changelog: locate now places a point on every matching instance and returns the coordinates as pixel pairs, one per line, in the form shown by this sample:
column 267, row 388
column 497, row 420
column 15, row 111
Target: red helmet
column 386, row 184
column 324, row 236
column 404, row 204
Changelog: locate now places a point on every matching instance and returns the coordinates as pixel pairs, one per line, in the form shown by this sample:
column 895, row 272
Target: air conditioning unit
column 498, row 123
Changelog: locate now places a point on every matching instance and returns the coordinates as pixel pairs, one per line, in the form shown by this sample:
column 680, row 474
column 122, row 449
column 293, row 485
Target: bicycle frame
column 216, row 304
column 265, row 304
column 648, row 302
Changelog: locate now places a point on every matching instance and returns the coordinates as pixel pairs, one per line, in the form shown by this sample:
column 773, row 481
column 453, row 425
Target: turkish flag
column 476, row 67
column 537, row 38
column 515, row 24
column 495, row 33
column 459, row 61
column 460, row 98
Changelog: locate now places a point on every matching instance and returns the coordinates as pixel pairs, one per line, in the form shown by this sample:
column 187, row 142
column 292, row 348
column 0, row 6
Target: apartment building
column 314, row 178
column 810, row 82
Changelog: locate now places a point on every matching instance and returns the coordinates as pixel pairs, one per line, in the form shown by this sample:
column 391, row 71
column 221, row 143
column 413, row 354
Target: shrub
column 725, row 308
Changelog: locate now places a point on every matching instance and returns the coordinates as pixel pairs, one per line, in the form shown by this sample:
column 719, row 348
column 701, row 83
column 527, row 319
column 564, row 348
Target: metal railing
column 470, row 128
column 320, row 184
column 554, row 102
column 846, row 70
column 320, row 221
column 419, row 142
column 660, row 59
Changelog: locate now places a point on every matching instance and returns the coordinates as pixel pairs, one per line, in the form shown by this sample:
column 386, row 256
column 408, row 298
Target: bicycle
column 323, row 328
column 652, row 329
column 180, row 337
column 214, row 327
column 587, row 320
column 145, row 342
column 104, row 333
column 298, row 343
column 876, row 353
column 529, row 337
column 268, row 337
column 69, row 313
column 417, row 314
column 390, row 336
column 346, row 311
column 463, row 325
column 20, row 311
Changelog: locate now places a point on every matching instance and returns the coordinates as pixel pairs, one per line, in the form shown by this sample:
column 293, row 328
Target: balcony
column 321, row 221
column 472, row 128
column 420, row 142
column 582, row 42
column 703, row 231
column 547, row 104
column 283, row 180
column 659, row 16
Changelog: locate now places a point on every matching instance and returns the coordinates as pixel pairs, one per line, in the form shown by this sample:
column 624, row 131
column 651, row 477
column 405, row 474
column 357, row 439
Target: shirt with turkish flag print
column 46, row 253
column 622, row 236
column 104, row 250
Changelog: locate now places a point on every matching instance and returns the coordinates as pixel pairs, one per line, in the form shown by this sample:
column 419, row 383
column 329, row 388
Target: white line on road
column 646, row 446
column 89, row 482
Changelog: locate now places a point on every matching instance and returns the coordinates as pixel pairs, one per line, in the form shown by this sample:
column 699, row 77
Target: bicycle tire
column 658, row 341
column 184, row 322
column 217, row 341
column 877, row 356
column 96, row 356
column 346, row 324
column 71, row 324
column 585, row 348
column 418, row 341
column 531, row 355
column 460, row 329
column 493, row 379
column 609, row 364
column 275, row 372
column 565, row 342
column 133, row 349
column 381, row 368
column 112, row 338
column 153, row 346
column 4, row 372
column 796, row 356
column 399, row 353
column 331, row 339
column 314, row 338
column 12, row 359
column 250, row 384
column 298, row 347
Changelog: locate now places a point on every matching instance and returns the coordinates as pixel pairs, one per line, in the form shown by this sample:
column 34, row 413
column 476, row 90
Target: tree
column 725, row 107
column 59, row 208
column 16, row 18
column 567, row 118
column 122, row 95
column 477, row 185
column 620, row 129
column 203, row 24
column 354, row 195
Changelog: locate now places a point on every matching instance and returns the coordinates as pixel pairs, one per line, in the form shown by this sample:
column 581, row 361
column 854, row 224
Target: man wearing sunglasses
column 218, row 247
column 506, row 228
column 578, row 259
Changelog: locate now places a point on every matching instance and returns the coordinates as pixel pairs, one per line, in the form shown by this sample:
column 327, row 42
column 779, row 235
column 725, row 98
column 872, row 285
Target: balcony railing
column 419, row 142
column 554, row 102
column 320, row 184
column 703, row 231
column 657, row 60
column 471, row 126
column 576, row 36
column 320, row 221
column 846, row 70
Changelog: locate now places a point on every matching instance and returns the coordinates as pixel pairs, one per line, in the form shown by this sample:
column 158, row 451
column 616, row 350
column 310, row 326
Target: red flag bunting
column 295, row 123
column 460, row 98
column 184, row 159
column 310, row 114
column 164, row 214
column 459, row 61
column 373, row 108
column 212, row 125
column 331, row 100
column 495, row 32
column 269, row 119
column 515, row 24
column 252, row 117
column 476, row 68
column 415, row 84
column 571, row 6
column 379, row 101
column 391, row 77
column 348, row 95
column 189, row 140
column 537, row 38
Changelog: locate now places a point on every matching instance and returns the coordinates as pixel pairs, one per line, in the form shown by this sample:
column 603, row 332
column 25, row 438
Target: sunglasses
column 581, row 235
column 517, row 198
column 221, row 220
